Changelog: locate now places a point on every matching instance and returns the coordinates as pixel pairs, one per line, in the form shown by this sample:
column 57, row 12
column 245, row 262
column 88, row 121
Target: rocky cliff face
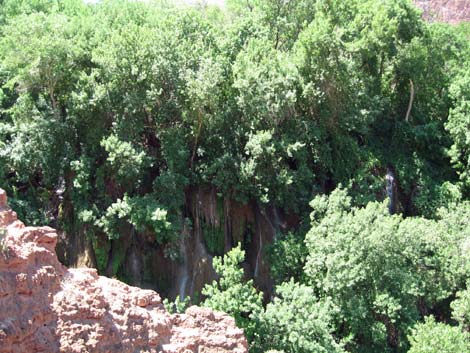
column 451, row 11
column 45, row 307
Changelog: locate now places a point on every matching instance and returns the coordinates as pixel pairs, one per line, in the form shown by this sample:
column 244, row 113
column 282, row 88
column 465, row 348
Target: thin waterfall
column 277, row 222
column 199, row 254
column 183, row 281
column 258, row 255
column 134, row 261
column 274, row 228
column 391, row 189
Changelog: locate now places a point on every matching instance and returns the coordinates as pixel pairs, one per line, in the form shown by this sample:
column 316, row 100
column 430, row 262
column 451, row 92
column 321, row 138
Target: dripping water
column 277, row 222
column 391, row 188
column 274, row 228
column 258, row 256
column 184, row 271
column 134, row 261
column 184, row 266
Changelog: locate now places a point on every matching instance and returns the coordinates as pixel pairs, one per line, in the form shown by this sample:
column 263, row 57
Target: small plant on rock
column 178, row 306
column 3, row 245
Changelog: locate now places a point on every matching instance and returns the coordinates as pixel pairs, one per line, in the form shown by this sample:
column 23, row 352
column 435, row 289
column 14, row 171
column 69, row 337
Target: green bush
column 435, row 337
column 383, row 271
column 296, row 321
column 461, row 308
column 232, row 294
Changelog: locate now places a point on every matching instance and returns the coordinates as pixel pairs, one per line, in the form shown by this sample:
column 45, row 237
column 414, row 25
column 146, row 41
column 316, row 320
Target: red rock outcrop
column 451, row 11
column 45, row 307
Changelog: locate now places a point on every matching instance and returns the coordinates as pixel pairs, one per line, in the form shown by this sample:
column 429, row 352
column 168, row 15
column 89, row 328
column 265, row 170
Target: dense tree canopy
column 111, row 112
column 383, row 272
column 273, row 102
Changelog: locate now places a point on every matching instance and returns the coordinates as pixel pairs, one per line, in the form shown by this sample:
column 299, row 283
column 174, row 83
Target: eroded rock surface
column 45, row 307
column 451, row 11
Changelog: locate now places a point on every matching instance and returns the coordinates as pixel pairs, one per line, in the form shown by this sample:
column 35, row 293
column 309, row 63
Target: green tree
column 297, row 321
column 458, row 126
column 435, row 337
column 232, row 294
column 287, row 257
column 460, row 308
column 382, row 271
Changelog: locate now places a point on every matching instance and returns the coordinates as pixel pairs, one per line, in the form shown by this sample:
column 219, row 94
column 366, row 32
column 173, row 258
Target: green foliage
column 435, row 337
column 296, row 321
column 271, row 100
column 454, row 230
column 143, row 213
column 28, row 211
column 3, row 233
column 379, row 269
column 111, row 113
column 461, row 308
column 124, row 159
column 232, row 294
column 458, row 126
column 178, row 306
column 437, row 196
column 287, row 257
column 113, row 217
column 148, row 214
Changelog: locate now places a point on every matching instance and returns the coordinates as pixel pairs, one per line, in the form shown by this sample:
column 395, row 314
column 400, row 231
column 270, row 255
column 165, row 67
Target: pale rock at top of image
column 451, row 11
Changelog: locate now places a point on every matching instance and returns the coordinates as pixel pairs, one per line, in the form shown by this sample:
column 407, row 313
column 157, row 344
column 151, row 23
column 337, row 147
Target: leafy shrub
column 296, row 321
column 178, row 306
column 435, row 337
column 232, row 294
column 382, row 271
column 461, row 308
column 287, row 257
column 3, row 233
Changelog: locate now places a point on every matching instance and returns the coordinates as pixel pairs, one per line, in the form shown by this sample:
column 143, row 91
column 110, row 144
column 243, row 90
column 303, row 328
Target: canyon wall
column 45, row 307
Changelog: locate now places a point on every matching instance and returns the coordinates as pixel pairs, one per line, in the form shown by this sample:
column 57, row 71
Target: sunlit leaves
column 297, row 321
column 382, row 269
column 232, row 294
